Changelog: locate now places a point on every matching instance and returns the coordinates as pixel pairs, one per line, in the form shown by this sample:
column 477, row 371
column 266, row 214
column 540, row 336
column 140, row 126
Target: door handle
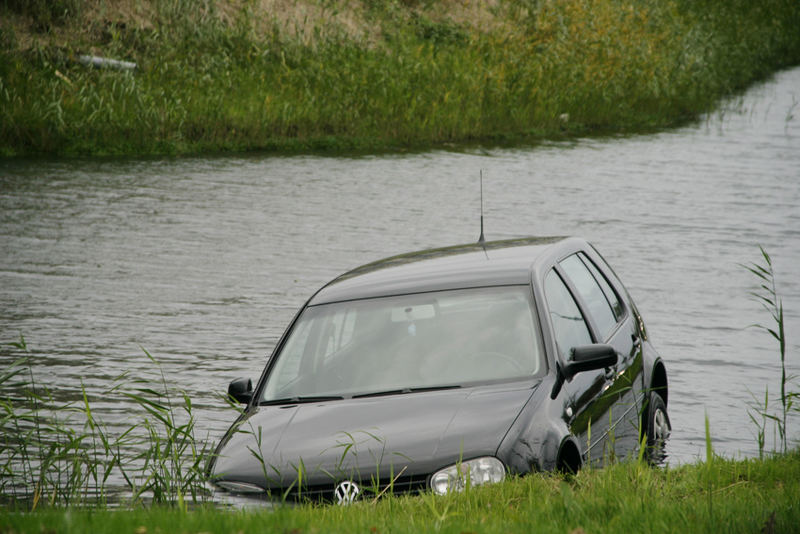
column 611, row 372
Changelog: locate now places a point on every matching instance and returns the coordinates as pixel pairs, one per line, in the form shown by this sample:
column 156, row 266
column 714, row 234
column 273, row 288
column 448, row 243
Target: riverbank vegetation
column 713, row 496
column 300, row 75
column 57, row 453
column 760, row 414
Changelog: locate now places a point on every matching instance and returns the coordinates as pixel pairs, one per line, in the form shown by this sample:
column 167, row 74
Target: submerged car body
column 440, row 368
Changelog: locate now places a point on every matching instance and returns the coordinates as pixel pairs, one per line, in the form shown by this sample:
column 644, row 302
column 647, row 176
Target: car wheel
column 658, row 429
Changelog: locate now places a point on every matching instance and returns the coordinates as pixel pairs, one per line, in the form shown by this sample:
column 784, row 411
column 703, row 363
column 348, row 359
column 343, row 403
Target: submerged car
column 437, row 369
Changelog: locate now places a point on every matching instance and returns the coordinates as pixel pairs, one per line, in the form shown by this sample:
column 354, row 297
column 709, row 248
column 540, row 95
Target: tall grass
column 46, row 457
column 172, row 457
column 769, row 299
column 564, row 68
column 747, row 496
column 59, row 454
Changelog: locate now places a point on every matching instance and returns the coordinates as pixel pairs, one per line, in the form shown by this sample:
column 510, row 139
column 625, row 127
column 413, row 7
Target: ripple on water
column 203, row 261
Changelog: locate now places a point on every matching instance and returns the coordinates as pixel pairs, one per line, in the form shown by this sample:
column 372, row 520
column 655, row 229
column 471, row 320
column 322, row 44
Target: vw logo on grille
column 346, row 492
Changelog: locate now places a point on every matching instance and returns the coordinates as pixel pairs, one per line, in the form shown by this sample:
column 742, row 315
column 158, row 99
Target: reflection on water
column 203, row 261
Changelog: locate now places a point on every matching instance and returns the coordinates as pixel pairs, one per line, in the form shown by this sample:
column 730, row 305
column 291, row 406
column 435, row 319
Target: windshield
column 422, row 341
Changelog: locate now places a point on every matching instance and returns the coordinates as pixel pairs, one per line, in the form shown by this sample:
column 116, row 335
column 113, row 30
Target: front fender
column 533, row 441
column 655, row 373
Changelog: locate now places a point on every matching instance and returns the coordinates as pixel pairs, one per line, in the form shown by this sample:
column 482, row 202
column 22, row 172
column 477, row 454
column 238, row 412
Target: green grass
column 56, row 453
column 720, row 496
column 414, row 79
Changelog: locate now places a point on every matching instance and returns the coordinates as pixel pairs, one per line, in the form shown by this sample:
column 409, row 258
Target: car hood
column 414, row 433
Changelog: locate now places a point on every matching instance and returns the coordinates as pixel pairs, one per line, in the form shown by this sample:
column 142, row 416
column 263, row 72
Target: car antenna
column 481, row 239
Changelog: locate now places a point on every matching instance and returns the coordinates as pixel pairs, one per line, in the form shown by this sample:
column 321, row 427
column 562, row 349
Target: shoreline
column 393, row 76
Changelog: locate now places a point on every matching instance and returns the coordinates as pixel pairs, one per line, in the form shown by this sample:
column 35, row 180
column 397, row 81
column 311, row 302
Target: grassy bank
column 296, row 75
column 717, row 496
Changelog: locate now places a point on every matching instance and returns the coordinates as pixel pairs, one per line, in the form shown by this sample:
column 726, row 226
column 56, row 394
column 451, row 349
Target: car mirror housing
column 241, row 390
column 589, row 358
column 583, row 358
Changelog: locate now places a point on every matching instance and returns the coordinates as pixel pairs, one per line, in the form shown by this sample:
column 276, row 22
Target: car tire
column 658, row 429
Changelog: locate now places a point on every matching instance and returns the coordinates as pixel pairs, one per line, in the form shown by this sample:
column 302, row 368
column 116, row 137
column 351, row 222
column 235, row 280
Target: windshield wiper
column 403, row 391
column 301, row 400
column 323, row 398
column 382, row 393
column 434, row 388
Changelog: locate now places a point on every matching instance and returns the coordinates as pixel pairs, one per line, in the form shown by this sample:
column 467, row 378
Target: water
column 203, row 261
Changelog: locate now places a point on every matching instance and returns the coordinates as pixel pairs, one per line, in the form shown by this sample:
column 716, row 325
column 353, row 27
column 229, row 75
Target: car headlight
column 239, row 487
column 471, row 472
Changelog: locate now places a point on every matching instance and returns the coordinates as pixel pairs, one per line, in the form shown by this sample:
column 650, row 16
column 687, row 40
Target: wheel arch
column 569, row 459
column 658, row 381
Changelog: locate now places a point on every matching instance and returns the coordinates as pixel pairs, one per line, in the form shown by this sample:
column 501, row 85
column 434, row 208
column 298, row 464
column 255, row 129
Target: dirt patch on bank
column 85, row 23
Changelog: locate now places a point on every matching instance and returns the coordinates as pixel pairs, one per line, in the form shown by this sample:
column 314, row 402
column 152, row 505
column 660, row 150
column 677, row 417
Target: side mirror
column 241, row 390
column 589, row 358
column 584, row 358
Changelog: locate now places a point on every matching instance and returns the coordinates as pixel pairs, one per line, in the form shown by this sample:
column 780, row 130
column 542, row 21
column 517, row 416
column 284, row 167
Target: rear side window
column 610, row 294
column 569, row 325
column 589, row 289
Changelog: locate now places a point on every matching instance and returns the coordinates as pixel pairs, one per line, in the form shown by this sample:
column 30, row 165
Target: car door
column 627, row 340
column 610, row 323
column 588, row 419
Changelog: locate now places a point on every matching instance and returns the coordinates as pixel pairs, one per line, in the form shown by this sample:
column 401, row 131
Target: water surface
column 203, row 261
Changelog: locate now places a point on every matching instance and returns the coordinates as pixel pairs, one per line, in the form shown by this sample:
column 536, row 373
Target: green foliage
column 172, row 458
column 565, row 68
column 747, row 496
column 45, row 13
column 58, row 454
column 767, row 296
column 442, row 33
column 45, row 457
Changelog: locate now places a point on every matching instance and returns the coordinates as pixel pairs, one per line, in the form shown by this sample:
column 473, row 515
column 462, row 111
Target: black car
column 441, row 368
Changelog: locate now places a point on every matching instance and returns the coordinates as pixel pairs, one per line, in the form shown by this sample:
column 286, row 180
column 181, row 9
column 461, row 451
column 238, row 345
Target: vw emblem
column 346, row 492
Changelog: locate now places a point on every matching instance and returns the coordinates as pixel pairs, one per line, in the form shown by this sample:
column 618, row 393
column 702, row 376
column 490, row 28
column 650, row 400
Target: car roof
column 494, row 263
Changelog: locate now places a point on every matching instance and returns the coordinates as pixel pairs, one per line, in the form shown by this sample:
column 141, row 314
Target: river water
column 203, row 261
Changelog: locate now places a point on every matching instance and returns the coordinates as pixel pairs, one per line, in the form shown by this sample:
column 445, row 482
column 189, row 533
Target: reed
column 55, row 454
column 46, row 458
column 215, row 77
column 172, row 458
column 769, row 299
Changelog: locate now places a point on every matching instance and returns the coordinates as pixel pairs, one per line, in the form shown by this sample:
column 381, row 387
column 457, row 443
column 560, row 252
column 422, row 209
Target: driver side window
column 569, row 325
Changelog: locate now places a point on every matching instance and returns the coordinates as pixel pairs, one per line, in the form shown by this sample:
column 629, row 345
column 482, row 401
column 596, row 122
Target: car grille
column 324, row 493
